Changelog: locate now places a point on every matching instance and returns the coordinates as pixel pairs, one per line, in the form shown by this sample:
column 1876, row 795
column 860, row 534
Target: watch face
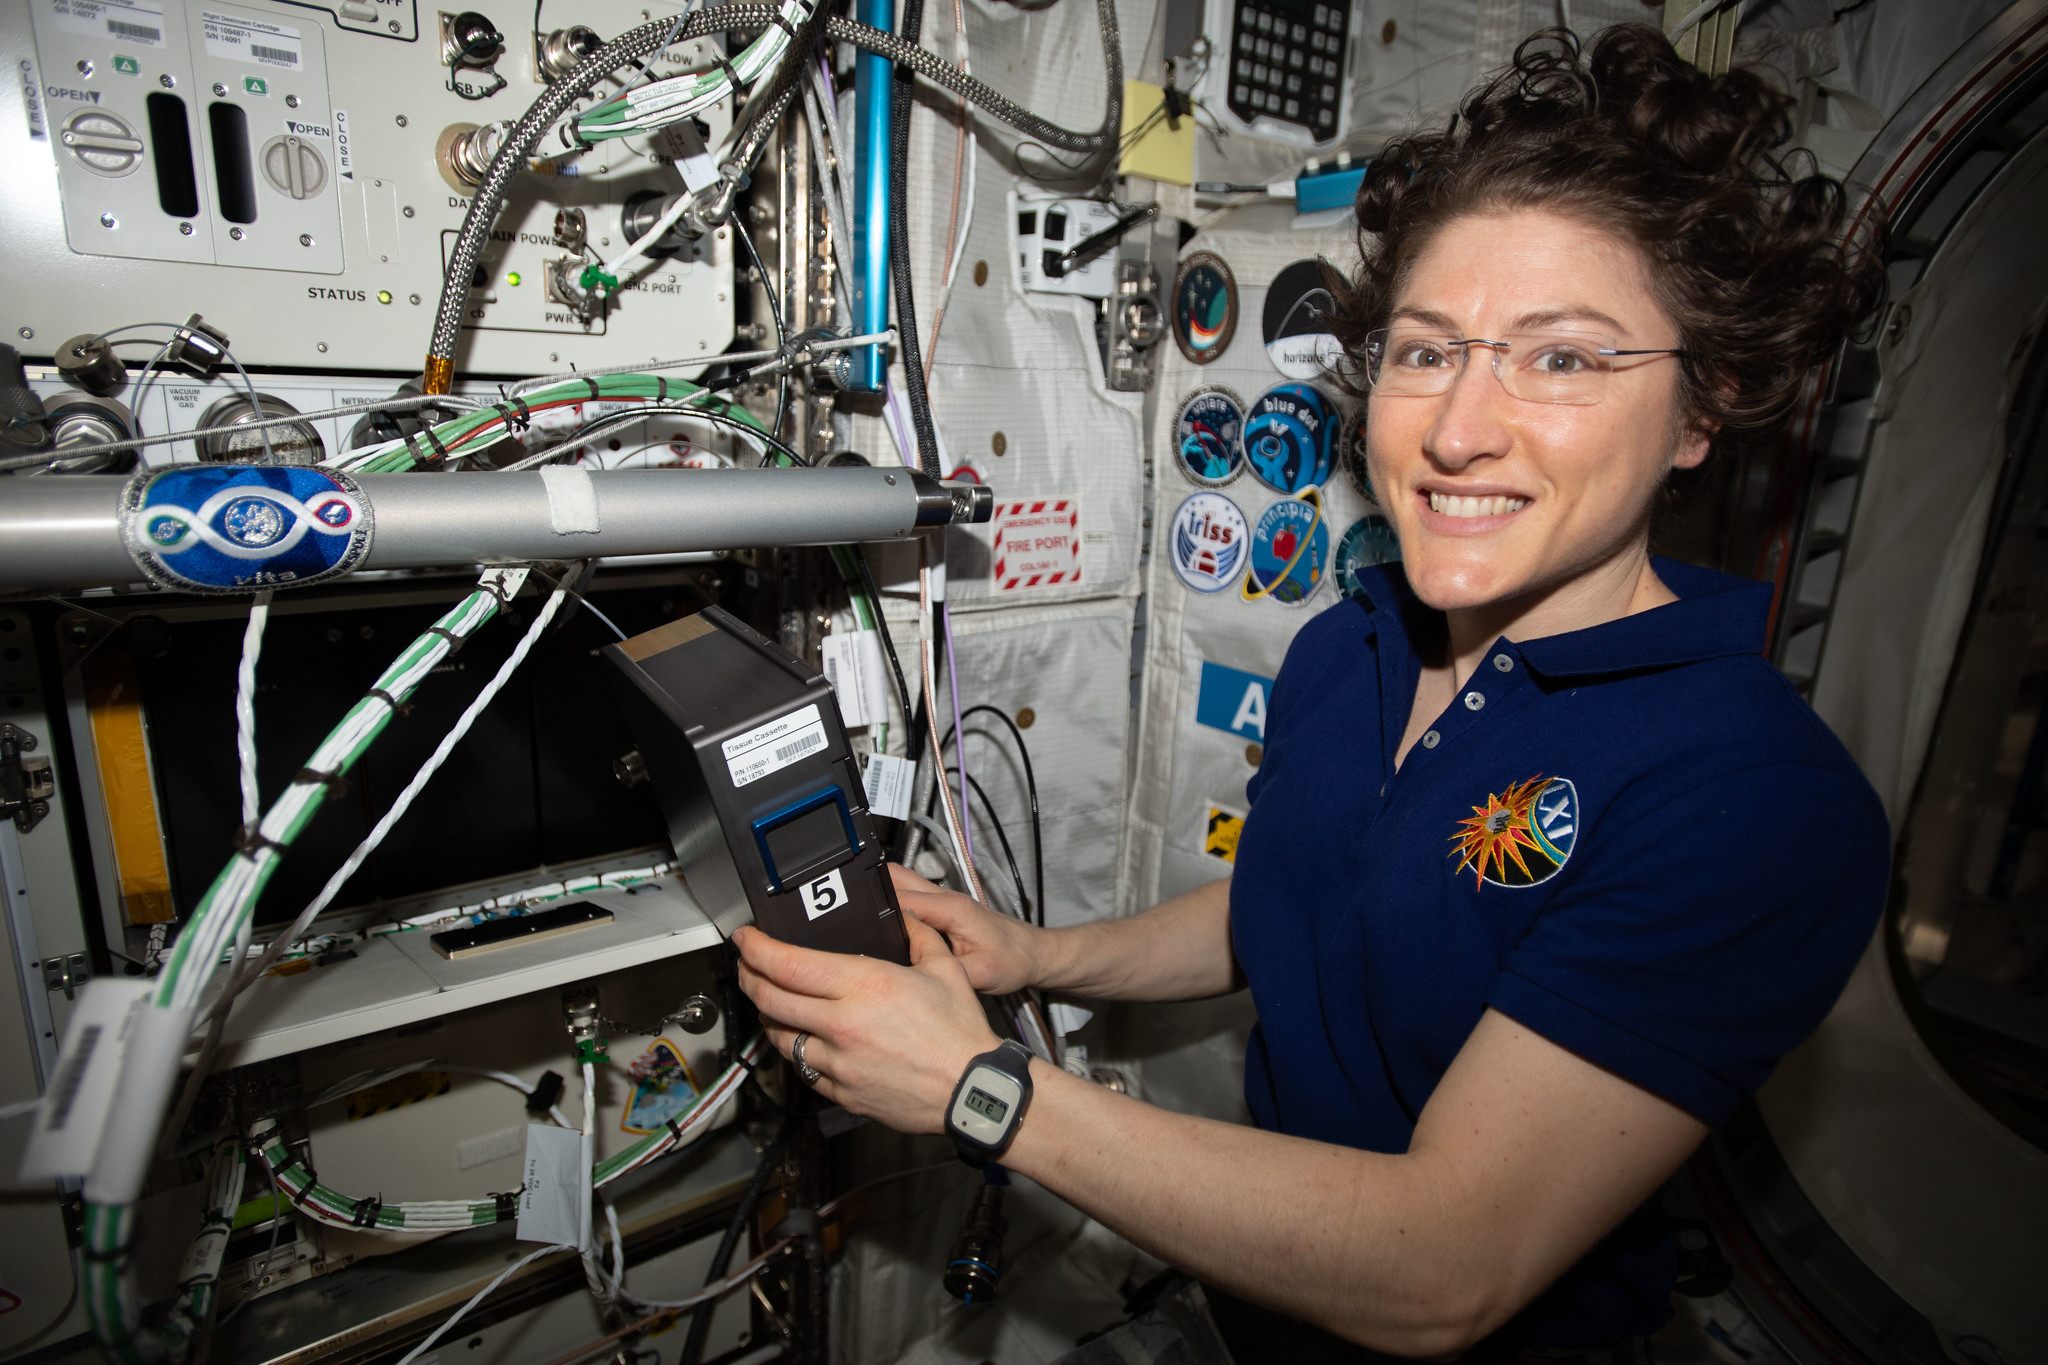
column 985, row 1106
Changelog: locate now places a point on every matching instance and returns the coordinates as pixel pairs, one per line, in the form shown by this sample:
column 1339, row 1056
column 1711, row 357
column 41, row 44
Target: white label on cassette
column 257, row 41
column 824, row 894
column 767, row 748
column 140, row 22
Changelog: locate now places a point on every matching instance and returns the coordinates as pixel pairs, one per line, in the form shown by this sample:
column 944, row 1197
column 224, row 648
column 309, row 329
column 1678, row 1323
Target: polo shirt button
column 1430, row 739
column 1473, row 701
column 1503, row 663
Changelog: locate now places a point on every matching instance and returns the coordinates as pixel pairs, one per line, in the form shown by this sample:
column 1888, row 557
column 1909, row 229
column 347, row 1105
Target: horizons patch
column 222, row 529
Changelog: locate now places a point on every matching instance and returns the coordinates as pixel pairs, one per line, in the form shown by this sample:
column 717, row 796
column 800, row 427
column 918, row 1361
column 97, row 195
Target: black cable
column 1002, row 837
column 721, row 1260
column 1030, row 785
column 901, row 103
column 781, row 333
column 867, row 583
column 618, row 420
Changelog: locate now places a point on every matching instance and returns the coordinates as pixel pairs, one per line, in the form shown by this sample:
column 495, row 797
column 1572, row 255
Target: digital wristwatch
column 988, row 1103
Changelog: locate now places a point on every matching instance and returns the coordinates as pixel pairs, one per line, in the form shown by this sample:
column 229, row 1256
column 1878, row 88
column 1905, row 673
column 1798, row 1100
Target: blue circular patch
column 1208, row 437
column 238, row 528
column 1369, row 541
column 1290, row 552
column 1287, row 437
column 1207, row 542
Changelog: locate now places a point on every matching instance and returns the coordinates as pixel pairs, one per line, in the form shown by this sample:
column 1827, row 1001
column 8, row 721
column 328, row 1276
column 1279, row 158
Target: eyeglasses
column 1541, row 367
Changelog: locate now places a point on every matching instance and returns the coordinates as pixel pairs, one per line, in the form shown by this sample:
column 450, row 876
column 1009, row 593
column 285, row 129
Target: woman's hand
column 999, row 953
column 890, row 1041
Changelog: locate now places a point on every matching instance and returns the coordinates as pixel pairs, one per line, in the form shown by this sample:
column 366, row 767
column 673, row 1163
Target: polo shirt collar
column 1716, row 615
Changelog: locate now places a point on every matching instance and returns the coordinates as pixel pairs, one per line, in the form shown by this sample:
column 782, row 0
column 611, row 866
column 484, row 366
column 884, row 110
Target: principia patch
column 1290, row 551
column 1521, row 837
column 238, row 528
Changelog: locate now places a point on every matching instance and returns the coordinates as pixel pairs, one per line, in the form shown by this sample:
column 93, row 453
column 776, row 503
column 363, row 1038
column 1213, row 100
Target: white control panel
column 282, row 169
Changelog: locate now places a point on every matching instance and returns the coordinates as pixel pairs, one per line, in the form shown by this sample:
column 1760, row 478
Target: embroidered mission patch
column 1521, row 837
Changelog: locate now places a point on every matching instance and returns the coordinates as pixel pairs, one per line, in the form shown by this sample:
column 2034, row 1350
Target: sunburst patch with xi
column 1520, row 837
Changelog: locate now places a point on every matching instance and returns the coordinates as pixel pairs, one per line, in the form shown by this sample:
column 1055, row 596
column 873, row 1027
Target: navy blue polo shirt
column 1635, row 840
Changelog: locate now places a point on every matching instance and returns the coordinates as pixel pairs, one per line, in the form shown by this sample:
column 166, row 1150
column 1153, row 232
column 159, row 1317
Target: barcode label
column 802, row 744
column 70, row 1076
column 80, row 1100
column 256, row 41
column 781, row 742
column 130, row 21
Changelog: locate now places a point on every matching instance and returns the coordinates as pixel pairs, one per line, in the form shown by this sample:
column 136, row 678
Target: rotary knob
column 293, row 166
column 101, row 141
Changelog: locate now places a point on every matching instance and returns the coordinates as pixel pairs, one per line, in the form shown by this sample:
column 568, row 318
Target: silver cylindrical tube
column 65, row 531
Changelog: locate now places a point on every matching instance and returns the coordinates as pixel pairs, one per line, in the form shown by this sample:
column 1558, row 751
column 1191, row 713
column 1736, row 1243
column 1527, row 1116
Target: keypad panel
column 1287, row 64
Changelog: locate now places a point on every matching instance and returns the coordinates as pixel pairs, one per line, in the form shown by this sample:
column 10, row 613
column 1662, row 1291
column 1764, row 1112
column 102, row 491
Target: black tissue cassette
column 747, row 755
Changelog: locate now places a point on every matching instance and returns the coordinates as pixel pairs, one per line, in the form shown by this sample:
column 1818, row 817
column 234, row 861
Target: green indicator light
column 512, row 278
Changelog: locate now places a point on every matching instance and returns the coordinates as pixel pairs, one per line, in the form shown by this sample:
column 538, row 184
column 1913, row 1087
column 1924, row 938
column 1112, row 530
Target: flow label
column 250, row 40
column 547, row 1202
column 768, row 748
column 129, row 21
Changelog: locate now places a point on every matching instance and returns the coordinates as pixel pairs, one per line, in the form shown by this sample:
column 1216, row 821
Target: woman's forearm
column 1351, row 1241
column 1177, row 950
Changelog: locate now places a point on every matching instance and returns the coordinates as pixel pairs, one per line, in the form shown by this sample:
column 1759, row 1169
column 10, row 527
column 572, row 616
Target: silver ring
column 804, row 1069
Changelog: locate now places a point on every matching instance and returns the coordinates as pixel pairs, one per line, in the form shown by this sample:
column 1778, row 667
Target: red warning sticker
column 1037, row 543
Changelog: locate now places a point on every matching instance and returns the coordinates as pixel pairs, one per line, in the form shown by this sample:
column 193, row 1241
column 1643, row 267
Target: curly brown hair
column 1747, row 257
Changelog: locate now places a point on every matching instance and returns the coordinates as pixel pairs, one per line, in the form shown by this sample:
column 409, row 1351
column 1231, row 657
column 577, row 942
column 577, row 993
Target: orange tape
column 114, row 700
column 439, row 376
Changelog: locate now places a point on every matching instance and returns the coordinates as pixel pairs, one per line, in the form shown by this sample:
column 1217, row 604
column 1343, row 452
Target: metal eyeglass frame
column 1375, row 343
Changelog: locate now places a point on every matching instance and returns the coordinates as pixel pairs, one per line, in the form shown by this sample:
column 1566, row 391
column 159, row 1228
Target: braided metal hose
column 533, row 125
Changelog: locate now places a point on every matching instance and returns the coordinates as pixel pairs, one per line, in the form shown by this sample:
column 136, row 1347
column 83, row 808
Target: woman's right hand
column 1000, row 954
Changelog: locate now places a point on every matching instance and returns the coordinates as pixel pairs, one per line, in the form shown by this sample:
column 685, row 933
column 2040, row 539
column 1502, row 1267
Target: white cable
column 245, row 708
column 426, row 773
column 416, row 1352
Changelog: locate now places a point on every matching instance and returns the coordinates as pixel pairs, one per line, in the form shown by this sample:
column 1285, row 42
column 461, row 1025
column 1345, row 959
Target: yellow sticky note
column 1161, row 153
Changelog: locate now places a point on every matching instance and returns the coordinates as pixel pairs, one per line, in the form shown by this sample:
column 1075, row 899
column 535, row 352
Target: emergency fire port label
column 766, row 748
column 1037, row 543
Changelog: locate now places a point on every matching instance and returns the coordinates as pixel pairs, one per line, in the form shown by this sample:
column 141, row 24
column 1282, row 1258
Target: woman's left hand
column 890, row 1041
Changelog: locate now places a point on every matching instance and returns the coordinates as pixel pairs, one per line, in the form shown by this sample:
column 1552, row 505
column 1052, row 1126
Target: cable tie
column 440, row 451
column 496, row 588
column 547, row 1093
column 366, row 1210
column 412, row 447
column 674, row 1131
column 251, row 842
column 507, row 1206
column 661, row 387
column 119, row 1253
column 398, row 708
column 455, row 642
column 336, row 784
column 594, row 390
column 514, row 422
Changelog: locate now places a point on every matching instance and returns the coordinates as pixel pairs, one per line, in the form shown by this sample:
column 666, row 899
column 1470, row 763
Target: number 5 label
column 825, row 894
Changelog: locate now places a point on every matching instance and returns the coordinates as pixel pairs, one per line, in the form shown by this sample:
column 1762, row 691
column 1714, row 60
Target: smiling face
column 1499, row 499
